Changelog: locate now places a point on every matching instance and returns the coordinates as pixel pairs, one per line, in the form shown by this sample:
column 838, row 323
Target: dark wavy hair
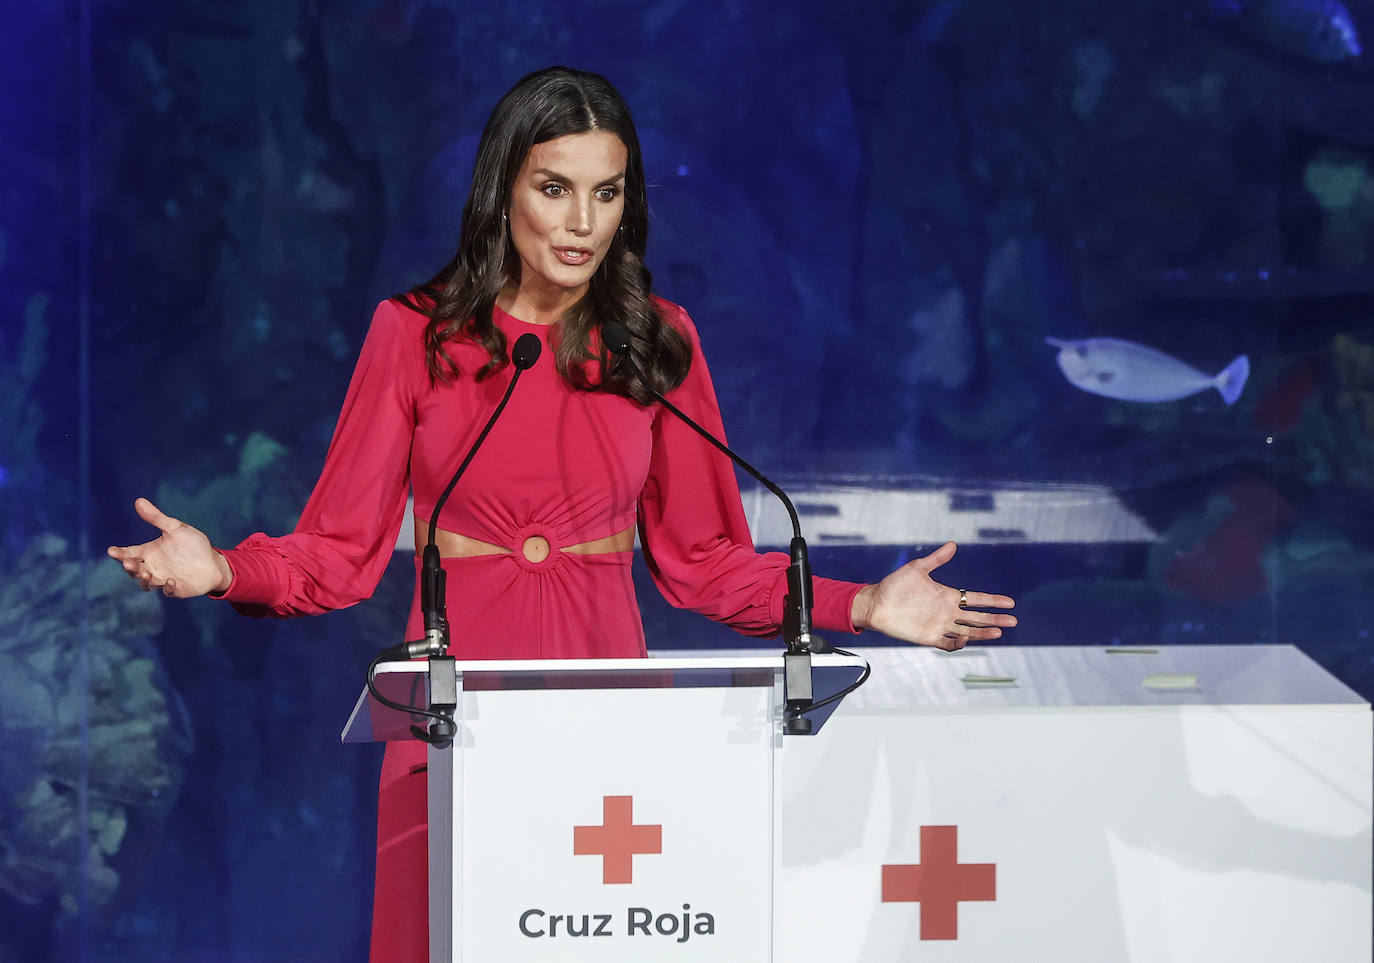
column 459, row 299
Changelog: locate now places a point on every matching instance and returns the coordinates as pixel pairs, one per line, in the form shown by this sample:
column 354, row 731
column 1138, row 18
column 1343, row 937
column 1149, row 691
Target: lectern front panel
column 613, row 823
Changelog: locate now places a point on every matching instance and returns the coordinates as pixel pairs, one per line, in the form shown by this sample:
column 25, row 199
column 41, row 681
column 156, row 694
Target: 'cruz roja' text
column 535, row 923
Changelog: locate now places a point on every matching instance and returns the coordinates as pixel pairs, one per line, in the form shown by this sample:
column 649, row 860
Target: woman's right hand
column 180, row 561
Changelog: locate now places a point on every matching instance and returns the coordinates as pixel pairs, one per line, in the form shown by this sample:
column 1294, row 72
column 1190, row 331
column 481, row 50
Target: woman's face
column 564, row 211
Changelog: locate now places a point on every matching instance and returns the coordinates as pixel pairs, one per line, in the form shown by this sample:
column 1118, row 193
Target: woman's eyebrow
column 555, row 176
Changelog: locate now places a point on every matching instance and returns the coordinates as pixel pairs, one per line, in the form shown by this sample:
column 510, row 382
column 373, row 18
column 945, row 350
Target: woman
column 538, row 538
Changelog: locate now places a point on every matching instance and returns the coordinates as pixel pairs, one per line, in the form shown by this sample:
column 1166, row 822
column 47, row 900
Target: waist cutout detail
column 534, row 544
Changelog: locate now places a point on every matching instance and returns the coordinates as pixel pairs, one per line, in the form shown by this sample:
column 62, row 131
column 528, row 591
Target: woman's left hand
column 912, row 606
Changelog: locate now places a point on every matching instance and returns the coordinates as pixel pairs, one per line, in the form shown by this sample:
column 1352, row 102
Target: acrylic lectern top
column 407, row 682
column 1144, row 676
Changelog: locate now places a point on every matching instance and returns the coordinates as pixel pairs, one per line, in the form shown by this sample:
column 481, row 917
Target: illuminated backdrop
column 1085, row 286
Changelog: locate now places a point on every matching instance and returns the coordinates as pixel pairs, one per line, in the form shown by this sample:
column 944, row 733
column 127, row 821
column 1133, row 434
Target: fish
column 1133, row 372
column 1319, row 30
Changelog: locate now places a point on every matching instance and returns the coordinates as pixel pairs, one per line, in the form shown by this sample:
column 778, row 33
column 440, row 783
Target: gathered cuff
column 832, row 603
column 255, row 579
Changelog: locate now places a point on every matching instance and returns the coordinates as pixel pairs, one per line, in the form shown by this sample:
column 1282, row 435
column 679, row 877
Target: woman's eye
column 555, row 190
column 608, row 193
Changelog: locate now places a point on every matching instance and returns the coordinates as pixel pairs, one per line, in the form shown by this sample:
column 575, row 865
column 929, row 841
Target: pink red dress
column 570, row 465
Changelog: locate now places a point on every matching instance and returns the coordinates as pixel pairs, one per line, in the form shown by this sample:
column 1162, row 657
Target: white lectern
column 1081, row 804
column 609, row 809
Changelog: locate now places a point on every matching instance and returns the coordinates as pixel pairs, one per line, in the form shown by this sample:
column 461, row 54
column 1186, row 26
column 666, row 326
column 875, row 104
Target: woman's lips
column 573, row 255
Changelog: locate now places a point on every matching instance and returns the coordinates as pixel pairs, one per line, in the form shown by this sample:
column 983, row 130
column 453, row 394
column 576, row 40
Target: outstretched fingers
column 985, row 600
column 140, row 561
column 936, row 558
column 985, row 620
column 909, row 604
column 180, row 560
column 134, row 554
column 155, row 516
column 973, row 625
column 125, row 553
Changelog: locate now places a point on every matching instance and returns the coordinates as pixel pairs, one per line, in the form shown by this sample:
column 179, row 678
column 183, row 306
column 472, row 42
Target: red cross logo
column 617, row 840
column 939, row 883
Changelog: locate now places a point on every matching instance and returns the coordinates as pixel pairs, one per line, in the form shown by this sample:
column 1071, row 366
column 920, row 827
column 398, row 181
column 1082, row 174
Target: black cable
column 720, row 446
column 433, row 588
column 486, row 430
column 443, row 726
column 831, row 699
column 796, row 623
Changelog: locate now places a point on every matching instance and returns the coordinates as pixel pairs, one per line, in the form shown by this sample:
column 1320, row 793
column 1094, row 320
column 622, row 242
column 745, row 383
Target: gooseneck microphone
column 432, row 576
column 433, row 584
column 796, row 623
column 797, row 609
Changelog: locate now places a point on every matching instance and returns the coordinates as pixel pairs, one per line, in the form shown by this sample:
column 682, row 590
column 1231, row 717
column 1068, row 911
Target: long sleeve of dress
column 394, row 430
column 346, row 534
column 693, row 529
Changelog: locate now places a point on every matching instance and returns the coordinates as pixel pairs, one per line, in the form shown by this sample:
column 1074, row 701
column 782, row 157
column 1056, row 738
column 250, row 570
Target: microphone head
column 526, row 351
column 616, row 336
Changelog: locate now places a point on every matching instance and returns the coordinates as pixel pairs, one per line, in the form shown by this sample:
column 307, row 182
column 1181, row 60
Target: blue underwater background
column 876, row 211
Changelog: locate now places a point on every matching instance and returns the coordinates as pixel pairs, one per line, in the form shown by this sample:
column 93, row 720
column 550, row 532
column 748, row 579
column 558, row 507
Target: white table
column 1076, row 814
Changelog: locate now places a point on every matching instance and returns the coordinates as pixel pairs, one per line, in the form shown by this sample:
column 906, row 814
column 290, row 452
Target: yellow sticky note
column 1171, row 680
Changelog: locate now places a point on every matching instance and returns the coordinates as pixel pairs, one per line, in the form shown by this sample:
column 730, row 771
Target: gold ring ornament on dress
column 963, row 598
